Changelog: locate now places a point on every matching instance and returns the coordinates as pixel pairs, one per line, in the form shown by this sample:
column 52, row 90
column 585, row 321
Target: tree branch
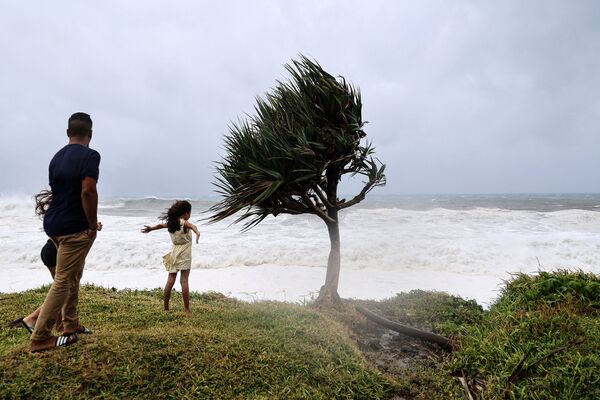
column 289, row 211
column 465, row 383
column 521, row 369
column 406, row 330
column 295, row 206
column 319, row 212
column 359, row 197
column 319, row 191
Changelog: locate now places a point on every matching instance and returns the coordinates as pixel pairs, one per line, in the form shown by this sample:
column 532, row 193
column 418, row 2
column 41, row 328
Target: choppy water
column 474, row 234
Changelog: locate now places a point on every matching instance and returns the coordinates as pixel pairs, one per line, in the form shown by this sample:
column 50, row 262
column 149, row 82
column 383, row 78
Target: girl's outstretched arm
column 148, row 228
column 191, row 226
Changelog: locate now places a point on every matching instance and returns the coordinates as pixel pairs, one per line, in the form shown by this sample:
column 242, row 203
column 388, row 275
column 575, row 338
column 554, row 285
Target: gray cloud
column 462, row 97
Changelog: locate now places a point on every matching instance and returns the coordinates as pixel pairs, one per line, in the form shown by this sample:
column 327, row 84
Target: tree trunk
column 328, row 292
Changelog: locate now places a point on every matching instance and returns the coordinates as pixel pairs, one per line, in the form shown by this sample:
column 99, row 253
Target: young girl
column 180, row 257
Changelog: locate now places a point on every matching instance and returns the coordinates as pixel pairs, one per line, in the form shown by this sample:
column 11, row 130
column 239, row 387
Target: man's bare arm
column 89, row 200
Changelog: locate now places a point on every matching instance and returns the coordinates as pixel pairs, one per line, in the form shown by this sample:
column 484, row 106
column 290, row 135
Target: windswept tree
column 288, row 158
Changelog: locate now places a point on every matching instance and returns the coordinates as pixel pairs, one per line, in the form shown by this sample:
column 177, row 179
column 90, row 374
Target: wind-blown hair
column 42, row 202
column 174, row 214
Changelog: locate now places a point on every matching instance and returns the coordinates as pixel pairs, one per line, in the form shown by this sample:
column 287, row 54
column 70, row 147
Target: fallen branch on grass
column 521, row 369
column 407, row 330
column 465, row 384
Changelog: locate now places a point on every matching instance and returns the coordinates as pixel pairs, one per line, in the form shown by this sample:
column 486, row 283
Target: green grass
column 540, row 340
column 438, row 312
column 225, row 349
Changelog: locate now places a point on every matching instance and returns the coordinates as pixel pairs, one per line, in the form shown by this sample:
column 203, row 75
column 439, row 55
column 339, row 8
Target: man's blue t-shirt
column 67, row 169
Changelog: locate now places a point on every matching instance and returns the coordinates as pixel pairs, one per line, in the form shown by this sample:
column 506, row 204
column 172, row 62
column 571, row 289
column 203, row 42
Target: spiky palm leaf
column 289, row 156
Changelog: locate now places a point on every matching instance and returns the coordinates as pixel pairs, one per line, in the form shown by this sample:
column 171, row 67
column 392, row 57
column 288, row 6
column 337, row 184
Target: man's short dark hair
column 80, row 124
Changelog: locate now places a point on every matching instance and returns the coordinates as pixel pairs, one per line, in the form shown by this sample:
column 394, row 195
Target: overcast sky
column 461, row 96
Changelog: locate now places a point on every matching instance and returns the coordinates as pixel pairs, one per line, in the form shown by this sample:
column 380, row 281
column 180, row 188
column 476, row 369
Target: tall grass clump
column 539, row 340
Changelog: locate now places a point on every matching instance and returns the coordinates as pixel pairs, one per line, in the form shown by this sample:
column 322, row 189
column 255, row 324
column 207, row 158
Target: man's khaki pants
column 64, row 292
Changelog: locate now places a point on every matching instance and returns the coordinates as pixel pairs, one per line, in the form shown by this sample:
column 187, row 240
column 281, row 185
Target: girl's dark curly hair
column 42, row 202
column 174, row 213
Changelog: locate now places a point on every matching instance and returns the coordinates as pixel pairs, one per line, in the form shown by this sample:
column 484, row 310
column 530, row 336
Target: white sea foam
column 379, row 242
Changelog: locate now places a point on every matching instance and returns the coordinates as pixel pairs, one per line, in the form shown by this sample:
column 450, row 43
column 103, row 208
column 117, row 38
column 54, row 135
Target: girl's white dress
column 180, row 256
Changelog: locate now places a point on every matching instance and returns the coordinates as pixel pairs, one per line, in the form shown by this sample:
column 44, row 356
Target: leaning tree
column 288, row 158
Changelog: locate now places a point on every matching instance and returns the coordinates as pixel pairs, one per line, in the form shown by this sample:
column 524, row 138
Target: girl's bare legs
column 31, row 319
column 185, row 290
column 168, row 287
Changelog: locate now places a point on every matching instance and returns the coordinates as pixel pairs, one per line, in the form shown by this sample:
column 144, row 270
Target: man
column 71, row 222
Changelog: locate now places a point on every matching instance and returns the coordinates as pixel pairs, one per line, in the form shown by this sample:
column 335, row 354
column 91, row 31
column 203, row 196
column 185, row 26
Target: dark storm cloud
column 461, row 96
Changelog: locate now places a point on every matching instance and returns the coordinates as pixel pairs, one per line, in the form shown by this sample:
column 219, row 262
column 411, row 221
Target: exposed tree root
column 406, row 330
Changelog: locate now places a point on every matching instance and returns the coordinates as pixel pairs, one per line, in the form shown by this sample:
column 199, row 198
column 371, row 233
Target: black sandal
column 61, row 341
column 20, row 323
column 80, row 329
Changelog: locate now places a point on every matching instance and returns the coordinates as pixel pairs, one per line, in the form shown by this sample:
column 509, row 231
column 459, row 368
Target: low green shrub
column 540, row 340
column 560, row 287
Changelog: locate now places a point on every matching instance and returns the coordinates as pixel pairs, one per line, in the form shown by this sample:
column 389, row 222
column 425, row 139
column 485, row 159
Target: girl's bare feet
column 20, row 323
column 29, row 320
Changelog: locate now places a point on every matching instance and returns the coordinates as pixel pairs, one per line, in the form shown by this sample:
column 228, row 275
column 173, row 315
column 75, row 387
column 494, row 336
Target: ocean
column 462, row 244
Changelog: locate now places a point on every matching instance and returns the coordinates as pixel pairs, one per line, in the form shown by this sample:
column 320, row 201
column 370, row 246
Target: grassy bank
column 539, row 340
column 225, row 349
